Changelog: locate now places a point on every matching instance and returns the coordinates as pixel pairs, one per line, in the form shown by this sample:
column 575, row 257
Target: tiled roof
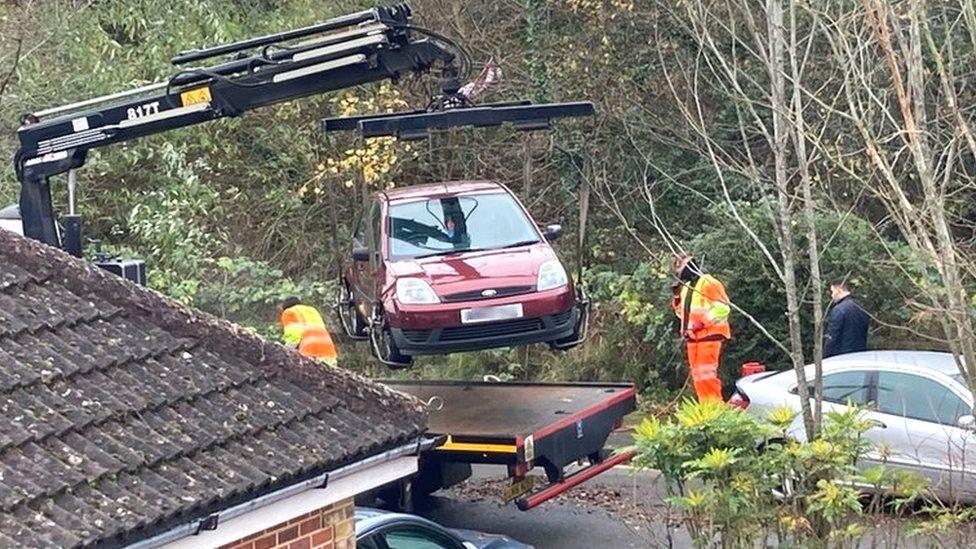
column 123, row 414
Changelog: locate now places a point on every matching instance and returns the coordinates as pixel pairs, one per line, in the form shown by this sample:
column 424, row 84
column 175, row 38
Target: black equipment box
column 129, row 269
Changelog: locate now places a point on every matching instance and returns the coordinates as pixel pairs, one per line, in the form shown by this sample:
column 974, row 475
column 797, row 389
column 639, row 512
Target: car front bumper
column 487, row 335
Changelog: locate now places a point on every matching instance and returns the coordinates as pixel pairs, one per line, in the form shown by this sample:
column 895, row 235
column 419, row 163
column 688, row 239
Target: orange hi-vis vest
column 708, row 307
column 304, row 328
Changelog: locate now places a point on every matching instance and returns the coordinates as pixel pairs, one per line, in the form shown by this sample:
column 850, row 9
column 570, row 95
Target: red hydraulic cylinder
column 575, row 479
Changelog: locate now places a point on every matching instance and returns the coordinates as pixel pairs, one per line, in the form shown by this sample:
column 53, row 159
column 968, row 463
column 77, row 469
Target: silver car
column 918, row 402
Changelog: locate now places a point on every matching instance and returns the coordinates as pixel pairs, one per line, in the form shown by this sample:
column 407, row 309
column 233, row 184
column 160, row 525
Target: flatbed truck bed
column 520, row 426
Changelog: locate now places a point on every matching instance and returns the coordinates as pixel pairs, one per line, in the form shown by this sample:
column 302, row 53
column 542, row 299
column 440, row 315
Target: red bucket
column 750, row 368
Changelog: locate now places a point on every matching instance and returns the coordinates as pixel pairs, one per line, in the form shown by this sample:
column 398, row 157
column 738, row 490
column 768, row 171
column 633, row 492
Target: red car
column 453, row 267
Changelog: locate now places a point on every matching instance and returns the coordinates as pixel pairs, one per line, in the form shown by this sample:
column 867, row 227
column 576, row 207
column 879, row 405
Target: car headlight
column 414, row 291
column 551, row 275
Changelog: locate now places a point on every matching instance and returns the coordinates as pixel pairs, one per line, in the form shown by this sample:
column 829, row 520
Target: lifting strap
column 584, row 205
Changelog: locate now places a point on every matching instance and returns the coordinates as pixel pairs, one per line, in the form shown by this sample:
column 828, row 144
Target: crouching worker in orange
column 702, row 306
column 304, row 329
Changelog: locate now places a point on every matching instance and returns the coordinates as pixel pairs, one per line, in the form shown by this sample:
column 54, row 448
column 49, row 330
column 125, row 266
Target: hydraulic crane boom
column 368, row 46
column 365, row 47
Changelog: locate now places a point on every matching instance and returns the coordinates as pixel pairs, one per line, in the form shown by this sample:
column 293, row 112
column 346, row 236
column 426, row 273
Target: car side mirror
column 553, row 231
column 967, row 422
column 360, row 253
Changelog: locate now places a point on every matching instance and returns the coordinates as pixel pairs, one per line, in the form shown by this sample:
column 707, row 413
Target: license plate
column 517, row 488
column 489, row 314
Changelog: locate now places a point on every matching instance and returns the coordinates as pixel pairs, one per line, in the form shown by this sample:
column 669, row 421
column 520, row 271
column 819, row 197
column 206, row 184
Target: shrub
column 738, row 480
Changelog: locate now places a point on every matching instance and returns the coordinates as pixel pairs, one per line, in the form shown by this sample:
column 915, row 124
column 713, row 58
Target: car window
column 367, row 543
column 415, row 537
column 477, row 222
column 918, row 397
column 359, row 235
column 373, row 227
column 844, row 387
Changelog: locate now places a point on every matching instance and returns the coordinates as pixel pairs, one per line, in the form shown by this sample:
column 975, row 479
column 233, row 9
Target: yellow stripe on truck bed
column 451, row 446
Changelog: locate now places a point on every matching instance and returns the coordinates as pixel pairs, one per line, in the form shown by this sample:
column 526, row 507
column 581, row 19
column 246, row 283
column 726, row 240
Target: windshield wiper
column 520, row 243
column 448, row 252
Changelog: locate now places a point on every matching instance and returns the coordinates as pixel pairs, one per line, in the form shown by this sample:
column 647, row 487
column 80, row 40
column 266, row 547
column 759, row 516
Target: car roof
column 366, row 517
column 369, row 518
column 10, row 212
column 438, row 190
column 933, row 361
column 938, row 363
column 941, row 362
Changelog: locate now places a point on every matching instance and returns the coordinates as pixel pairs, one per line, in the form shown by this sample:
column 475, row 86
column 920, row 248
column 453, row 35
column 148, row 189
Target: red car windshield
column 455, row 224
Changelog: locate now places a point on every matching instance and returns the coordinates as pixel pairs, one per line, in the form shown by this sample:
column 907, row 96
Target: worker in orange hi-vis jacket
column 305, row 330
column 703, row 307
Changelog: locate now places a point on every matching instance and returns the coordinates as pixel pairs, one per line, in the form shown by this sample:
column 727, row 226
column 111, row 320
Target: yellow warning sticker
column 194, row 96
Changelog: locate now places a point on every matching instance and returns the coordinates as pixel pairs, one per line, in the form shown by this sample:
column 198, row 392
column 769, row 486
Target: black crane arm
column 368, row 46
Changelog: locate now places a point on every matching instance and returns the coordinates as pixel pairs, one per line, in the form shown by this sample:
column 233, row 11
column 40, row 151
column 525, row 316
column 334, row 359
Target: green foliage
column 249, row 292
column 753, row 286
column 945, row 524
column 738, row 480
column 213, row 209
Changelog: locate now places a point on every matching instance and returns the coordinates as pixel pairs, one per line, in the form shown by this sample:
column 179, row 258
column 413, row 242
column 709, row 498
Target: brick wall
column 331, row 527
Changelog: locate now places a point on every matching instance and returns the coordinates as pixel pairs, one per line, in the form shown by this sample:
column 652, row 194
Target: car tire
column 352, row 321
column 384, row 346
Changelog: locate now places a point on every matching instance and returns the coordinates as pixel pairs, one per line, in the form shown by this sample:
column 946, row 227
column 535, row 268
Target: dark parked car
column 377, row 529
column 455, row 267
column 10, row 219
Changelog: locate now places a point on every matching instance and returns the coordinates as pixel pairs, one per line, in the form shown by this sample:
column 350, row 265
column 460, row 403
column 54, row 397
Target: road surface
column 619, row 509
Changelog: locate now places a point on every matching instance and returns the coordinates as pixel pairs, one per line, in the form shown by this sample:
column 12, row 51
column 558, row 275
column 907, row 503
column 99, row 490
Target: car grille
column 416, row 336
column 476, row 295
column 493, row 329
column 488, row 329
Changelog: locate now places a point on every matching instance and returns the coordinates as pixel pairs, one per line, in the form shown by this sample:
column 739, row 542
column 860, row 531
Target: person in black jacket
column 847, row 322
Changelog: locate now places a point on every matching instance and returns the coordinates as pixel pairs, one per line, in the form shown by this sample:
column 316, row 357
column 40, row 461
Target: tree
column 739, row 58
column 902, row 83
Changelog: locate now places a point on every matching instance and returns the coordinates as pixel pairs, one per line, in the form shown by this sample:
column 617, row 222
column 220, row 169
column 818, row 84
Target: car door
column 840, row 389
column 374, row 236
column 843, row 388
column 410, row 536
column 364, row 269
column 917, row 431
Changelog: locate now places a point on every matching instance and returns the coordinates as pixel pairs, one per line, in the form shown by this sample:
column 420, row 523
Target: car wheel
column 352, row 321
column 384, row 346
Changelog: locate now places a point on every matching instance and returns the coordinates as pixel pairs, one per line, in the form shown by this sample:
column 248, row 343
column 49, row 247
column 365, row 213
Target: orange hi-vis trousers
column 703, row 360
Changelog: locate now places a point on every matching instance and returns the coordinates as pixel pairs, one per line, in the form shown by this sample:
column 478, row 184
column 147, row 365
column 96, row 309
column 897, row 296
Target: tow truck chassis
column 521, row 426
